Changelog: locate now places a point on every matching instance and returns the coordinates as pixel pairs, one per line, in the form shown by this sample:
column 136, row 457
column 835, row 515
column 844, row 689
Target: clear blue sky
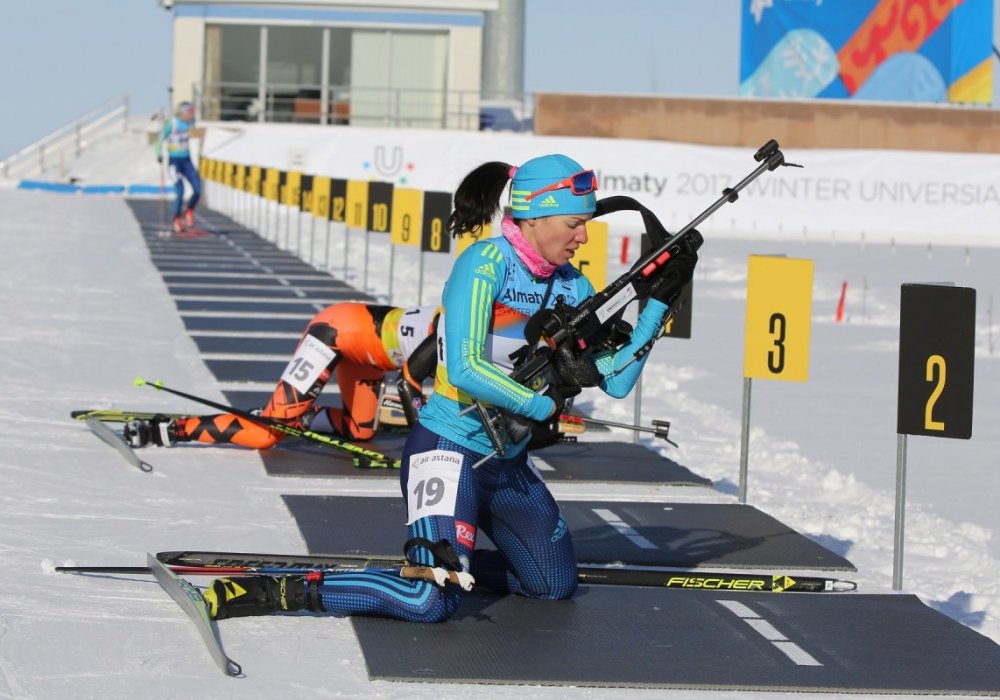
column 62, row 58
column 678, row 47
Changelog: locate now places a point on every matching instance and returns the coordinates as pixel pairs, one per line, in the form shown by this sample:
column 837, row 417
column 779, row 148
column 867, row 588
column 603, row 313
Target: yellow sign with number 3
column 778, row 318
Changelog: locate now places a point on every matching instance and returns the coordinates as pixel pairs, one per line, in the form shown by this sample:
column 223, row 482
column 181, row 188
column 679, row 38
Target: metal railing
column 388, row 107
column 69, row 140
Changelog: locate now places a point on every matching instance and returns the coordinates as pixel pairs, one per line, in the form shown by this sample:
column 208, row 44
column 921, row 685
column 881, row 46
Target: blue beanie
column 540, row 172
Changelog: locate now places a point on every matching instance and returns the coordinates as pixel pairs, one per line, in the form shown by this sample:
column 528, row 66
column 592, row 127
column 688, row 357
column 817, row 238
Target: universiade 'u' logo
column 388, row 161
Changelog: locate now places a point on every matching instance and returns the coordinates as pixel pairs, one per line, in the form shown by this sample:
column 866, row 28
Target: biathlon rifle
column 556, row 361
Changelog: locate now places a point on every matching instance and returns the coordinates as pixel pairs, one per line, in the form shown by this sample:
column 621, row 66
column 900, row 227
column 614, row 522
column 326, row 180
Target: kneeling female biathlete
column 453, row 485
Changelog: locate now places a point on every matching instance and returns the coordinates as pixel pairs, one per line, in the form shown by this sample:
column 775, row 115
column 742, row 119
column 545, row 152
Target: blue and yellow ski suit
column 488, row 298
column 175, row 140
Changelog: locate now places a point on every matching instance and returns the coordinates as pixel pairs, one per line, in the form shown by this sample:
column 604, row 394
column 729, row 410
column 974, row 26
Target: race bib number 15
column 432, row 484
column 311, row 358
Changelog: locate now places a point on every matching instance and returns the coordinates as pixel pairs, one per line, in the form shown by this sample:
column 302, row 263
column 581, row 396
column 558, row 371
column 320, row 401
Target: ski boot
column 189, row 218
column 159, row 430
column 178, row 225
column 262, row 595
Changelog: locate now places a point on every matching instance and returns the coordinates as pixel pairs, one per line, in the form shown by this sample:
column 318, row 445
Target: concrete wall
column 465, row 51
column 749, row 123
column 189, row 55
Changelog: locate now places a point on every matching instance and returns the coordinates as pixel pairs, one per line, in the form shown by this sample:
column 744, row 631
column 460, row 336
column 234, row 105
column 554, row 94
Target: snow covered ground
column 84, row 311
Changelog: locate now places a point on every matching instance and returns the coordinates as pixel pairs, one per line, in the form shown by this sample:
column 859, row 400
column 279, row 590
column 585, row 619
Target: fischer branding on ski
column 116, row 441
column 665, row 577
column 191, row 601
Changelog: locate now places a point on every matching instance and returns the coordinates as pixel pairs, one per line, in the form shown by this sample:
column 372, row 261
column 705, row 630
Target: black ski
column 189, row 598
column 588, row 573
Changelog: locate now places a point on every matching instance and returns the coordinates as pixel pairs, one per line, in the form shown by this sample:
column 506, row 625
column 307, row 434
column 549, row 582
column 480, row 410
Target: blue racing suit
column 488, row 298
column 176, row 138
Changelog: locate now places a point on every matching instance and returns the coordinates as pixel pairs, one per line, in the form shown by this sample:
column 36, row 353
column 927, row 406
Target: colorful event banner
column 879, row 50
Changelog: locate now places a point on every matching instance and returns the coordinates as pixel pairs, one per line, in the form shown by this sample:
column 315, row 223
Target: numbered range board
column 937, row 336
column 778, row 317
column 434, row 235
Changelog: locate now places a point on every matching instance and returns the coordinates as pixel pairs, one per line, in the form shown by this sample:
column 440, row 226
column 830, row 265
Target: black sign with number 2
column 937, row 339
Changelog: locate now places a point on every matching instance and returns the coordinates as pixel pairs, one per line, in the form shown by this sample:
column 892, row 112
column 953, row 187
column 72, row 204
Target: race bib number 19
column 311, row 358
column 432, row 485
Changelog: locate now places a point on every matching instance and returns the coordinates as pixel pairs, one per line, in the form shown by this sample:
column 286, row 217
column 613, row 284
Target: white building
column 412, row 63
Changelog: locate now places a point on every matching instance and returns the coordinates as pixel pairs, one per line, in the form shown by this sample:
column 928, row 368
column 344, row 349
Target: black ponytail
column 477, row 199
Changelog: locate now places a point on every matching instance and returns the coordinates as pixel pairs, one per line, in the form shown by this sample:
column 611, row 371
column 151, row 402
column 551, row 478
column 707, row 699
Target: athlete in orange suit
column 357, row 342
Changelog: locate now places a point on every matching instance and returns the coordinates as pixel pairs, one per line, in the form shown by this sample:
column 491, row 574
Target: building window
column 294, row 70
column 378, row 77
column 398, row 78
column 232, row 71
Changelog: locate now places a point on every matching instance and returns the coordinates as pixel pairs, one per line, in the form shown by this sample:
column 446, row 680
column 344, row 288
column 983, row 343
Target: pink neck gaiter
column 537, row 265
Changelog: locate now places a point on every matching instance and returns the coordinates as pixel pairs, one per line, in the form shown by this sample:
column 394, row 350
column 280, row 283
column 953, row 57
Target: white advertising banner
column 906, row 196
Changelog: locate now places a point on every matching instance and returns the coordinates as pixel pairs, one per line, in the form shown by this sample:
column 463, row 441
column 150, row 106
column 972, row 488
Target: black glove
column 575, row 369
column 560, row 394
column 666, row 284
column 676, row 273
column 545, row 434
column 159, row 159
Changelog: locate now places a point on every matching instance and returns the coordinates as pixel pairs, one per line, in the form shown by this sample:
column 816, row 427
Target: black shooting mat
column 581, row 461
column 248, row 324
column 258, row 280
column 618, row 636
column 680, row 535
column 266, row 371
column 280, row 293
column 604, row 462
column 249, row 399
column 254, row 262
column 266, row 308
column 209, row 266
column 223, row 240
column 256, row 398
column 248, row 345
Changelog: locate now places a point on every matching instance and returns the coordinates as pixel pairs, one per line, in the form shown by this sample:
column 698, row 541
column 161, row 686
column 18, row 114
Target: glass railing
column 361, row 106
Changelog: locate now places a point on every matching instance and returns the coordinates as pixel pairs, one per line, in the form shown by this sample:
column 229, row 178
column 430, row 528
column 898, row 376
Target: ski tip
column 48, row 566
column 138, row 381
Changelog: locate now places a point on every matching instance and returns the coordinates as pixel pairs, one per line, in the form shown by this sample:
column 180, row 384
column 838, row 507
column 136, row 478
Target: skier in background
column 357, row 342
column 174, row 143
